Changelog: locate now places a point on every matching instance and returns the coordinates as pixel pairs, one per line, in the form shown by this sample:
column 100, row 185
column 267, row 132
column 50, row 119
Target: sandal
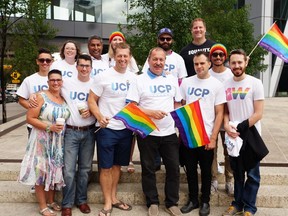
column 105, row 212
column 47, row 212
column 130, row 168
column 120, row 205
column 54, row 206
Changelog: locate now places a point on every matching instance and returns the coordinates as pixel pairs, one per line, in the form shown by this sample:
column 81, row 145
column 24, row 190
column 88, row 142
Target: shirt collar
column 153, row 76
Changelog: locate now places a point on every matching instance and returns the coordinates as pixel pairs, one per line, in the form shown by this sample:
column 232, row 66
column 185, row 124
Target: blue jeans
column 78, row 150
column 245, row 192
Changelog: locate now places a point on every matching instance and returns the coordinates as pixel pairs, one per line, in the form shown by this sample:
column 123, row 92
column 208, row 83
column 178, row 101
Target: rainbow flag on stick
column 189, row 121
column 275, row 42
column 136, row 120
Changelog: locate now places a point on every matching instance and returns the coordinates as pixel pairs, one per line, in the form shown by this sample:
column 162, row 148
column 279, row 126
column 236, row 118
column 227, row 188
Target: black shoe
column 204, row 209
column 189, row 206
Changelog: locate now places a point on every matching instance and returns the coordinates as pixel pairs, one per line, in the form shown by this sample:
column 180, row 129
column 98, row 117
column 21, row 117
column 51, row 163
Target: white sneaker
column 214, row 186
column 229, row 188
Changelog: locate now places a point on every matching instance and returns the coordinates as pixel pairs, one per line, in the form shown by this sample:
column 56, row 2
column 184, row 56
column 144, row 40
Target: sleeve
column 133, row 93
column 97, row 86
column 182, row 89
column 23, row 90
column 178, row 96
column 182, row 68
column 258, row 90
column 220, row 95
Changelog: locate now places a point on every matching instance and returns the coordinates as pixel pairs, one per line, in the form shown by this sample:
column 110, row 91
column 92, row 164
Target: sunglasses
column 42, row 60
column 55, row 80
column 218, row 54
column 168, row 39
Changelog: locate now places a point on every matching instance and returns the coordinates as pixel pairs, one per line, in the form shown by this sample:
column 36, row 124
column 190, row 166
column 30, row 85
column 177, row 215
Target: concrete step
column 269, row 175
column 31, row 209
column 269, row 196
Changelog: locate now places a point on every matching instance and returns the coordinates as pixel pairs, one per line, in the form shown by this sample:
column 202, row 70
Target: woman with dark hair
column 43, row 161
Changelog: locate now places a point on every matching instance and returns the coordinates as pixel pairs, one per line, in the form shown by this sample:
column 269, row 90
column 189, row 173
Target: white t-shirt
column 132, row 67
column 157, row 93
column 223, row 76
column 98, row 66
column 67, row 70
column 210, row 91
column 240, row 98
column 75, row 91
column 174, row 64
column 112, row 88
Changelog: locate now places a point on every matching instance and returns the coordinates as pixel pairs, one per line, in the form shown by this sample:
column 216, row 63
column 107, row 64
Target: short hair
column 54, row 71
column 84, row 57
column 122, row 45
column 197, row 20
column 44, row 50
column 156, row 49
column 63, row 48
column 95, row 37
column 238, row 52
column 199, row 53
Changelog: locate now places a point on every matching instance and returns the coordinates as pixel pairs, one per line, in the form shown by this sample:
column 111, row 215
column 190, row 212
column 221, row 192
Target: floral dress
column 43, row 160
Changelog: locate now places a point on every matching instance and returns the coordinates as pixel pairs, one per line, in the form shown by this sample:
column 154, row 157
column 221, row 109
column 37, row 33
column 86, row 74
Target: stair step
column 269, row 175
column 269, row 196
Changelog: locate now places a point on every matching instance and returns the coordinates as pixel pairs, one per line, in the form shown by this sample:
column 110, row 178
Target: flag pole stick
column 185, row 105
column 261, row 39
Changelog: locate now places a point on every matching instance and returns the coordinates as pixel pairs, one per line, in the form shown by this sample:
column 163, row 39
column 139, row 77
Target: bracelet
column 48, row 129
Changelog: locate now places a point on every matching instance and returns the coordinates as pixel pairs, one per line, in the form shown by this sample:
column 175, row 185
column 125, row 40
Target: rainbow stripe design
column 189, row 121
column 275, row 42
column 136, row 120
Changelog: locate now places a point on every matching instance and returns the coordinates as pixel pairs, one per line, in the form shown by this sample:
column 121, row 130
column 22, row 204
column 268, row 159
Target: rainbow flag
column 136, row 120
column 189, row 121
column 275, row 42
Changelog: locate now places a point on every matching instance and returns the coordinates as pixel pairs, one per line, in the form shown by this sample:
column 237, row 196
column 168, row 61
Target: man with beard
column 245, row 101
column 218, row 56
column 174, row 63
column 95, row 47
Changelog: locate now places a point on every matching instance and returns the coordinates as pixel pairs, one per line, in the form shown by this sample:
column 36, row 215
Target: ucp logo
column 232, row 93
column 169, row 67
column 40, row 88
column 160, row 88
column 120, row 86
column 95, row 71
column 67, row 73
column 197, row 92
column 81, row 96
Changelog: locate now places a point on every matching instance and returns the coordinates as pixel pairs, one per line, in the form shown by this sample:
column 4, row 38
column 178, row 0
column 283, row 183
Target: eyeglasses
column 42, row 60
column 55, row 80
column 168, row 39
column 218, row 54
column 83, row 66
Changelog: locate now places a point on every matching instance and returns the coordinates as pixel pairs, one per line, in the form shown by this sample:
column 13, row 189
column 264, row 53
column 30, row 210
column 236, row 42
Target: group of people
column 88, row 90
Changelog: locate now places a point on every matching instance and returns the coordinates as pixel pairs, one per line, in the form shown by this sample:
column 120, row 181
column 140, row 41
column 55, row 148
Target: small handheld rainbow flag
column 275, row 42
column 189, row 121
column 136, row 120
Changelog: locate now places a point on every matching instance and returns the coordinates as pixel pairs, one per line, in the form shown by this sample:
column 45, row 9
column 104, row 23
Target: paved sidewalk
column 274, row 133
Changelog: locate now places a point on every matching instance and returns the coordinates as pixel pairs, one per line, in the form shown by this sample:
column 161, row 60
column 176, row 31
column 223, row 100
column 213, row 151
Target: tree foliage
column 226, row 24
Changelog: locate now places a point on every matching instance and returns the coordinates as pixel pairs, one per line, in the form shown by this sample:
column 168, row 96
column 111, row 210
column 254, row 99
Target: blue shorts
column 114, row 147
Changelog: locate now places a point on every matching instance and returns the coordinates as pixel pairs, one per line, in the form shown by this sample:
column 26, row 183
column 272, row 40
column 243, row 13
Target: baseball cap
column 165, row 31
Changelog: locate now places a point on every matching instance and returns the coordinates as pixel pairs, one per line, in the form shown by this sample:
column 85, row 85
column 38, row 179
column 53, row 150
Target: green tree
column 152, row 15
column 11, row 13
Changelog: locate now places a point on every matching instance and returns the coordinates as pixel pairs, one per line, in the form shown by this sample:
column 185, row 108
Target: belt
column 83, row 128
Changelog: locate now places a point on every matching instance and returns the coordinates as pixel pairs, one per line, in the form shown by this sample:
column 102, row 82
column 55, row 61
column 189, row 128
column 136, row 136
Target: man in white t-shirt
column 157, row 94
column 245, row 102
column 95, row 47
column 211, row 93
column 174, row 63
column 79, row 141
column 37, row 81
column 107, row 97
column 218, row 56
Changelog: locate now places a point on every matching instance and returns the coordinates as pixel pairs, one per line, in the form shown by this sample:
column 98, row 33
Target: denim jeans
column 78, row 152
column 245, row 192
column 168, row 148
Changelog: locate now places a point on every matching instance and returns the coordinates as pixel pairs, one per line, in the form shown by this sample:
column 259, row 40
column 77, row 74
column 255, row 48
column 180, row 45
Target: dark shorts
column 114, row 147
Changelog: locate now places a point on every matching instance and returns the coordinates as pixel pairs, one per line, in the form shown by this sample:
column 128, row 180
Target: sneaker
column 247, row 213
column 174, row 210
column 229, row 188
column 214, row 186
column 32, row 189
column 153, row 210
column 232, row 211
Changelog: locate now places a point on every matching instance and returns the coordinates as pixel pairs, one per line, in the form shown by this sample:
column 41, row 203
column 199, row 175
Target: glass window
column 114, row 11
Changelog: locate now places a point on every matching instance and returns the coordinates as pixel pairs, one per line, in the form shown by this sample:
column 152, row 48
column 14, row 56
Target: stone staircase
column 273, row 192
